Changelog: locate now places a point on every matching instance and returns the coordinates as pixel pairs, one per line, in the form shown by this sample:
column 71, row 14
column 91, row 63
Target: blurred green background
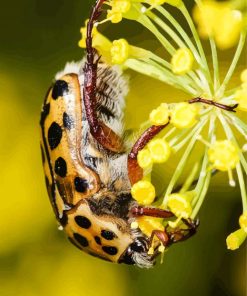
column 37, row 38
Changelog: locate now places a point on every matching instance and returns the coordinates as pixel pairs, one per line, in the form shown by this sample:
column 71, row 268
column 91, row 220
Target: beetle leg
column 213, row 103
column 161, row 235
column 135, row 172
column 179, row 235
column 151, row 212
column 100, row 131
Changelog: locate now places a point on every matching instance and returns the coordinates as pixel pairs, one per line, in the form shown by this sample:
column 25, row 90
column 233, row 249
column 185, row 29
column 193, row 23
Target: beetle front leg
column 135, row 172
column 101, row 132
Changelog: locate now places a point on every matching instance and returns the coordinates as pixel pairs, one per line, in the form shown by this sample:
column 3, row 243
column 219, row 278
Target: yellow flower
column 219, row 20
column 241, row 98
column 143, row 192
column 180, row 204
column 184, row 115
column 223, row 155
column 243, row 221
column 148, row 224
column 160, row 115
column 235, row 239
column 160, row 150
column 228, row 28
column 243, row 76
column 118, row 8
column 182, row 61
column 144, row 158
column 119, row 51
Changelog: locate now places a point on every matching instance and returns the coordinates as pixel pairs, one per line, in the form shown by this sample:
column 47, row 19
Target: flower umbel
column 193, row 127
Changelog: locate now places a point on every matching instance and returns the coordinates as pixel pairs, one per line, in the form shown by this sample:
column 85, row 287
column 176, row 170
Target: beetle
column 88, row 169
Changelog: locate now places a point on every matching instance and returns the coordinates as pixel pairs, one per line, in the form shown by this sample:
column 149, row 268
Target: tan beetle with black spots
column 88, row 169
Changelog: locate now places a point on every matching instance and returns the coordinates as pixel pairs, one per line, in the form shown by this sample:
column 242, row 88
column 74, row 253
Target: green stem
column 231, row 137
column 233, row 65
column 204, row 189
column 199, row 46
column 181, row 164
column 181, row 31
column 215, row 63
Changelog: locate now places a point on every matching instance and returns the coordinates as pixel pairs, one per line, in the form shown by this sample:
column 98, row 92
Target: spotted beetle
column 88, row 170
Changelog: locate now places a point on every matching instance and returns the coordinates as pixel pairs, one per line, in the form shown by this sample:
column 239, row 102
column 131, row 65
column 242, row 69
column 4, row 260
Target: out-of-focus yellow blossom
column 119, row 51
column 241, row 98
column 223, row 155
column 118, row 8
column 235, row 239
column 184, row 115
column 227, row 30
column 144, row 158
column 243, row 221
column 243, row 76
column 100, row 42
column 148, row 224
column 160, row 115
column 143, row 192
column 176, row 3
column 182, row 61
column 160, row 150
column 180, row 204
column 219, row 20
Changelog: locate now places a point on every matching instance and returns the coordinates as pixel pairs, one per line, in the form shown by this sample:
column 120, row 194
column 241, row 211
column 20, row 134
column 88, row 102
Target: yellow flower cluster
column 181, row 115
column 219, row 20
column 241, row 94
column 157, row 151
column 223, row 155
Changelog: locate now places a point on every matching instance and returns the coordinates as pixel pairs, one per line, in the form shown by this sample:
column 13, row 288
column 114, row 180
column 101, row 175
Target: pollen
column 180, row 204
column 160, row 150
column 184, row 115
column 160, row 115
column 143, row 192
column 223, row 155
column 235, row 239
column 144, row 158
column 182, row 61
column 119, row 51
column 243, row 221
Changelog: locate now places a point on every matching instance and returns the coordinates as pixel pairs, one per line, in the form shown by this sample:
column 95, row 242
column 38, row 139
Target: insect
column 89, row 171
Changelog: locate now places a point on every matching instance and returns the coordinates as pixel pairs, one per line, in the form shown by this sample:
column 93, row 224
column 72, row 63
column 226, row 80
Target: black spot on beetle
column 110, row 250
column 108, row 235
column 97, row 239
column 60, row 167
column 60, row 88
column 67, row 121
column 64, row 219
column 81, row 239
column 54, row 135
column 83, row 222
column 81, row 185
